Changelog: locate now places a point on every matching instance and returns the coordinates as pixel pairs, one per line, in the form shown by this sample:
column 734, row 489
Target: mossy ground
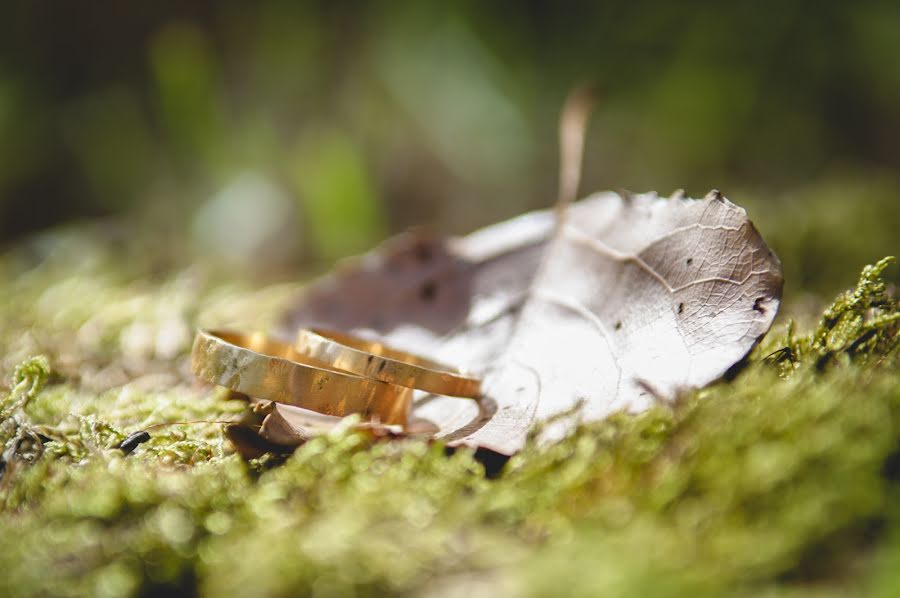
column 782, row 480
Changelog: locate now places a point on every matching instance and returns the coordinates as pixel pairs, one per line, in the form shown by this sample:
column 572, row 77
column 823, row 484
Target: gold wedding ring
column 262, row 368
column 375, row 360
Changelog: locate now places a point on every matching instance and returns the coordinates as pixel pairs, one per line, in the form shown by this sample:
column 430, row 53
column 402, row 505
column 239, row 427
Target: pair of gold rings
column 328, row 372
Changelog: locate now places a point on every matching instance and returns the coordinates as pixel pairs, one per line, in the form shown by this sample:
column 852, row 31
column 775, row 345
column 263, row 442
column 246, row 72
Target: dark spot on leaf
column 758, row 306
column 423, row 252
column 128, row 445
column 680, row 307
column 619, row 325
column 690, row 261
column 428, row 291
column 381, row 367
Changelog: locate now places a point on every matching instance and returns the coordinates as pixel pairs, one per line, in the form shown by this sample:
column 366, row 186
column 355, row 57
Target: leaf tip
column 714, row 195
column 625, row 194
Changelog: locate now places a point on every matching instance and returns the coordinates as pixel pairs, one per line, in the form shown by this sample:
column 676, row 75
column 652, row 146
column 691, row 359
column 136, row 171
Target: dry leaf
column 248, row 443
column 290, row 426
column 627, row 301
column 285, row 425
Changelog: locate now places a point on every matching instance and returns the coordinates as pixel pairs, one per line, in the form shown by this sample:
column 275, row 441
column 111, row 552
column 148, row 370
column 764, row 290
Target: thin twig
column 572, row 128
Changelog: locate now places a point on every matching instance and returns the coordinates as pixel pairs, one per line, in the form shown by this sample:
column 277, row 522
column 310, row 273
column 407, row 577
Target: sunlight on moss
column 778, row 480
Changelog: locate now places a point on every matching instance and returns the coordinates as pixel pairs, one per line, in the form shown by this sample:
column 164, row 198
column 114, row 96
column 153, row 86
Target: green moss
column 27, row 381
column 781, row 480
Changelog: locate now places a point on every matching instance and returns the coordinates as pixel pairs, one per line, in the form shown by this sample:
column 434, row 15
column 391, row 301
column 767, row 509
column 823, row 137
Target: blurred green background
column 274, row 136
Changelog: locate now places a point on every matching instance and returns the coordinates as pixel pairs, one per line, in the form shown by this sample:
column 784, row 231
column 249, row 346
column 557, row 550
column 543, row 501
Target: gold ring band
column 375, row 360
column 260, row 367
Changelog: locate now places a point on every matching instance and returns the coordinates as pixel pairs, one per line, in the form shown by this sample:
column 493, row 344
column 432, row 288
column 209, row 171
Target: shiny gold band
column 375, row 360
column 262, row 368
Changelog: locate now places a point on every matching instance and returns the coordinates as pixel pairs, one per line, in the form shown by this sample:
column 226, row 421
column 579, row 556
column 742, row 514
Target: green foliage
column 444, row 114
column 341, row 204
column 781, row 479
column 824, row 230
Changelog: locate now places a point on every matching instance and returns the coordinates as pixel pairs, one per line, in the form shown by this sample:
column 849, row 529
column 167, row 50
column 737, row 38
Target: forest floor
column 784, row 479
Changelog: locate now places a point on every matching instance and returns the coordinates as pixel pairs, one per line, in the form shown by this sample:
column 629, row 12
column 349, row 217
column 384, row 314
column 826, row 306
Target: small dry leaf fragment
column 290, row 426
column 630, row 300
column 286, row 425
column 248, row 443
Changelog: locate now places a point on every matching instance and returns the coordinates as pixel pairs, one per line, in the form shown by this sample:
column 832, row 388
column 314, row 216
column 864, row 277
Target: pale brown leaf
column 632, row 300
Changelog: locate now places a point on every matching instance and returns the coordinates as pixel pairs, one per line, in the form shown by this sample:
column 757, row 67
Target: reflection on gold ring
column 375, row 360
column 263, row 368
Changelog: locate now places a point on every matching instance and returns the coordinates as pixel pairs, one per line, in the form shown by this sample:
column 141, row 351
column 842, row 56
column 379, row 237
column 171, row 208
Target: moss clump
column 779, row 479
column 861, row 322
